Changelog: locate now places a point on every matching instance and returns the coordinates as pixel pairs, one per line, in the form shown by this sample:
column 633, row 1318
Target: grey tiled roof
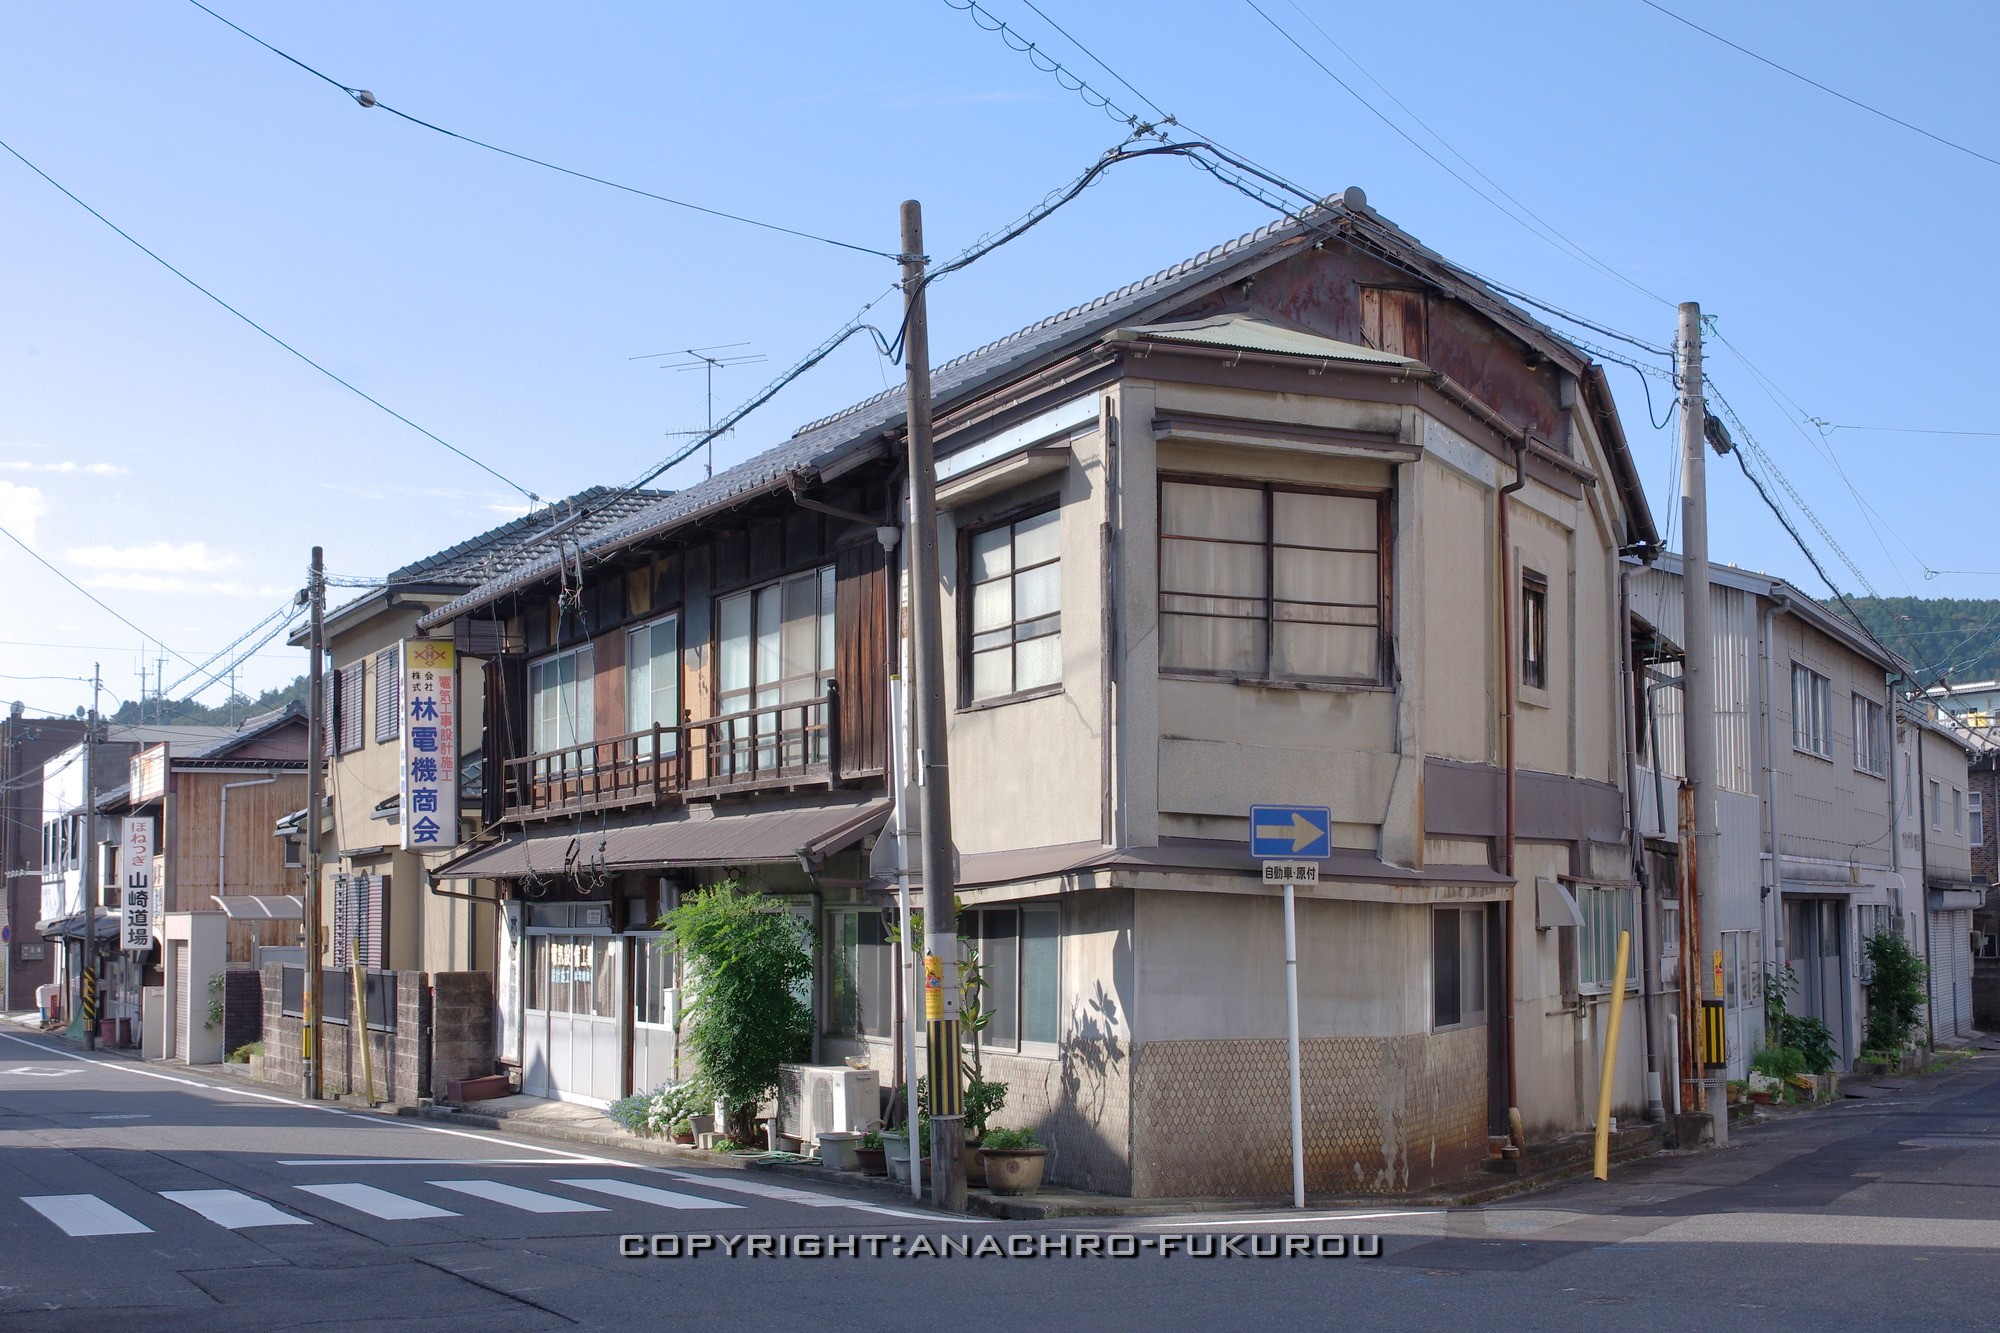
column 830, row 440
column 501, row 550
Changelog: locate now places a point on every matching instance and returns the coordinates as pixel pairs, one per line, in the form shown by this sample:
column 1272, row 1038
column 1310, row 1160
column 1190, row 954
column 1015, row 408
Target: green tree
column 1896, row 995
column 749, row 969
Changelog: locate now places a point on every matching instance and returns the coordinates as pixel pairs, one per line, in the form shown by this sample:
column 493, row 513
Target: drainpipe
column 1655, row 1110
column 1504, row 567
column 222, row 832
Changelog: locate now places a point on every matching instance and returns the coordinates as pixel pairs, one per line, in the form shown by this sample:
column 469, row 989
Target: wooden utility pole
column 947, row 1095
column 1698, row 676
column 87, row 983
column 316, row 723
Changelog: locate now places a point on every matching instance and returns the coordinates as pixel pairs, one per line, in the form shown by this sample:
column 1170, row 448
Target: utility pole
column 316, row 722
column 1698, row 684
column 941, row 998
column 89, row 978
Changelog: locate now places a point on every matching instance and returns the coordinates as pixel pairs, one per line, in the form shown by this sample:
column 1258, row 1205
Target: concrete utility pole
column 316, row 722
column 89, row 978
column 1698, row 678
column 947, row 1095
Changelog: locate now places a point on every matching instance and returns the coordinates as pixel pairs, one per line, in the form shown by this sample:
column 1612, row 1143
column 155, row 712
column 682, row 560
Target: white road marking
column 85, row 1215
column 232, row 1209
column 789, row 1195
column 376, row 1203
column 432, row 1162
column 528, row 1201
column 1248, row 1219
column 625, row 1189
column 32, row 1072
column 121, row 1117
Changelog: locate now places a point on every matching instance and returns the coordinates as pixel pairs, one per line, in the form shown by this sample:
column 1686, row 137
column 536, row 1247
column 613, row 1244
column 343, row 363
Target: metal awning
column 251, row 907
column 71, row 927
column 694, row 838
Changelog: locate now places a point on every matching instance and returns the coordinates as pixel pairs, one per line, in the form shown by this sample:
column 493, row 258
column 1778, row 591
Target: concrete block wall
column 401, row 1059
column 461, row 1044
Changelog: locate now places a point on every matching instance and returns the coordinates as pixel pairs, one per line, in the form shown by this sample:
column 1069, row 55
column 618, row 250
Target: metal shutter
column 329, row 712
column 388, row 694
column 1961, row 971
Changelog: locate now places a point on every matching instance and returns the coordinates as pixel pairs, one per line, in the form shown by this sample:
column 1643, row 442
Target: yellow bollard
column 1603, row 1166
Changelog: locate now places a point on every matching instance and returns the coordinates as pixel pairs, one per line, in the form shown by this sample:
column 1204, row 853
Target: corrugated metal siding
column 1656, row 597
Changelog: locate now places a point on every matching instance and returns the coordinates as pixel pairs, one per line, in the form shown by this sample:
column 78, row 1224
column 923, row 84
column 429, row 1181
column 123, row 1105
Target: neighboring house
column 25, row 745
column 1974, row 704
column 407, row 927
column 1934, row 754
column 1315, row 516
column 1805, row 787
column 65, row 839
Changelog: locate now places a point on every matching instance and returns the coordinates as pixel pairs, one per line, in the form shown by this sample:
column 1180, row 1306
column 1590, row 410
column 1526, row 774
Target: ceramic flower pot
column 1014, row 1170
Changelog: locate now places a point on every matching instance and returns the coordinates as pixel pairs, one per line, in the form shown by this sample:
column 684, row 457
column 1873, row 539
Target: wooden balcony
column 780, row 745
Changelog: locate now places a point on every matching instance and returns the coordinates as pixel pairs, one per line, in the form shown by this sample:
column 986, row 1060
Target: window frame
column 351, row 703
column 1975, row 818
column 1465, row 1017
column 1021, row 1044
column 1871, row 731
column 586, row 694
column 824, row 636
column 389, row 694
column 1385, row 582
column 1534, row 630
column 834, row 1018
column 1607, row 909
column 1011, row 518
column 1957, row 811
column 646, row 628
column 1818, row 706
column 1936, row 794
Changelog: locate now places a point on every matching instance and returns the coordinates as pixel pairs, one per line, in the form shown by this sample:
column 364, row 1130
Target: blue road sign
column 1291, row 832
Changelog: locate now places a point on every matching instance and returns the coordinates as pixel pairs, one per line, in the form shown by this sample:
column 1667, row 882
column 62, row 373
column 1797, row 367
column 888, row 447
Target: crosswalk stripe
column 377, row 1202
column 84, row 1215
column 229, row 1208
column 528, row 1201
column 624, row 1189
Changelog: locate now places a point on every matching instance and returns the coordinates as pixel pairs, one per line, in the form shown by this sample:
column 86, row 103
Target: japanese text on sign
column 430, row 744
column 136, row 885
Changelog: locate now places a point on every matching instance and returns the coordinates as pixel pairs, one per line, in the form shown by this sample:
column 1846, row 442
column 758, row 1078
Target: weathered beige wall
column 1828, row 808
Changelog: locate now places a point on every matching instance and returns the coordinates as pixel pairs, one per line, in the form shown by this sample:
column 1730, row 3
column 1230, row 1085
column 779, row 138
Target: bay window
column 1271, row 582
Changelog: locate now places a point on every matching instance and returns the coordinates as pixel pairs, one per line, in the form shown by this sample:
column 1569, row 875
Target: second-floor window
column 1812, row 712
column 1975, row 817
column 776, row 642
column 653, row 679
column 1871, row 749
column 1534, row 630
column 1272, row 583
column 1015, row 625
column 1937, row 806
column 1957, row 811
column 560, row 701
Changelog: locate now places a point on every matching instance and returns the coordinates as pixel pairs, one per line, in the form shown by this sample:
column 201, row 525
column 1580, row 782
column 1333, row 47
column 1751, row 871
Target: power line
column 101, row 604
column 359, row 393
column 1831, row 92
column 368, row 99
column 1826, row 427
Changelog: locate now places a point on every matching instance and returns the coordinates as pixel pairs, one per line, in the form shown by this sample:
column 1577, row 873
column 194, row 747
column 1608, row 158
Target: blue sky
column 180, row 465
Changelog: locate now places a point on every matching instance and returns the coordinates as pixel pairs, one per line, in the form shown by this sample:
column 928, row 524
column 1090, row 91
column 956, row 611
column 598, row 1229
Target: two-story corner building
column 1934, row 754
column 1312, row 517
column 26, row 743
column 1810, row 865
column 66, row 843
column 403, row 926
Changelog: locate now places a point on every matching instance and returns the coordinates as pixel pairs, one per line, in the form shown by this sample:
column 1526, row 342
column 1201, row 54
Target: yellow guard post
column 1602, row 1169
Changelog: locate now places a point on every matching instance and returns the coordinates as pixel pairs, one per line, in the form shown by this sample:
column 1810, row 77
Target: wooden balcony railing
column 777, row 745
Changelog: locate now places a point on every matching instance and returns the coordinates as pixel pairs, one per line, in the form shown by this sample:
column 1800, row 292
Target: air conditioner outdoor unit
column 818, row 1099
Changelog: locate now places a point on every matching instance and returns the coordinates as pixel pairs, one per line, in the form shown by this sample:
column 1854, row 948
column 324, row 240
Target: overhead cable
column 487, row 468
column 93, row 597
column 365, row 98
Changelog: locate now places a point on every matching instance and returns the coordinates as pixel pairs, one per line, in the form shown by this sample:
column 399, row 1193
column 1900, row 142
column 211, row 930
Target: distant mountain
column 230, row 713
column 1954, row 637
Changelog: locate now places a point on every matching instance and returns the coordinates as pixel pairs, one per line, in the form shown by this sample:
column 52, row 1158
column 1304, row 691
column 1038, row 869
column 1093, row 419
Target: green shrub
column 725, row 1145
column 241, row 1055
column 1779, row 1062
column 1812, row 1039
column 1895, row 996
column 1011, row 1140
column 749, row 967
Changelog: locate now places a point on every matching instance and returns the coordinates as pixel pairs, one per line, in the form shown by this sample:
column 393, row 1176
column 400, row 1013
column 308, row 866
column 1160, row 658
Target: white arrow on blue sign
column 1291, row 832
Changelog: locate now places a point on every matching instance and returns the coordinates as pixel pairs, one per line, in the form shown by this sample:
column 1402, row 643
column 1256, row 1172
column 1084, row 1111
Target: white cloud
column 94, row 469
column 20, row 507
column 187, row 558
column 136, row 582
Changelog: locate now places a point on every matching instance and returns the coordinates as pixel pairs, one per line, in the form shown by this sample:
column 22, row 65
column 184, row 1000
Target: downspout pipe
column 1627, row 726
column 1504, row 571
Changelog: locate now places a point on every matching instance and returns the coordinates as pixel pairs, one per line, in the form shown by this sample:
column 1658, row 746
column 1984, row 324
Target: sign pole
column 1292, row 1040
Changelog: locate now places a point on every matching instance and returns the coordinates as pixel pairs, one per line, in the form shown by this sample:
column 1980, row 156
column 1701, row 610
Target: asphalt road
column 136, row 1196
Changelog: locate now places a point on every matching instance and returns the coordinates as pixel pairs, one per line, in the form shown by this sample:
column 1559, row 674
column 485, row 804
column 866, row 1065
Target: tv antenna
column 700, row 358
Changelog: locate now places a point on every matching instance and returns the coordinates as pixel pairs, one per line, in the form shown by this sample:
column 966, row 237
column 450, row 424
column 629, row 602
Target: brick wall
column 242, row 1008
column 461, row 1028
column 401, row 1059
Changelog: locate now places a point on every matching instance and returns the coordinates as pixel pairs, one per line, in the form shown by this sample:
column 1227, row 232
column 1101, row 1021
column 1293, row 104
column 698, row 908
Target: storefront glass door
column 570, row 1036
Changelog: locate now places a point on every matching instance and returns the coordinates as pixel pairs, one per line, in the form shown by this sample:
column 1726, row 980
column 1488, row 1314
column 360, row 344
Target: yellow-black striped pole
column 1714, row 1035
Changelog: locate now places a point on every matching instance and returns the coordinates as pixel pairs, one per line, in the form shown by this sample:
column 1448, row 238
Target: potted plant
column 896, row 1151
column 869, row 1154
column 1014, row 1161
